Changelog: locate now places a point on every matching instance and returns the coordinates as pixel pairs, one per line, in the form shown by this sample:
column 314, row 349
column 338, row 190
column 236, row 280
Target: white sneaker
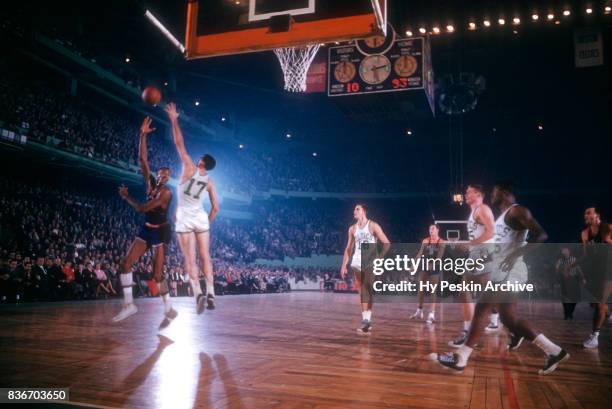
column 418, row 314
column 592, row 342
column 431, row 318
column 492, row 327
column 127, row 311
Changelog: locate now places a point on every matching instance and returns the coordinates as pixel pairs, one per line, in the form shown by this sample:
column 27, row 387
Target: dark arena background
column 137, row 272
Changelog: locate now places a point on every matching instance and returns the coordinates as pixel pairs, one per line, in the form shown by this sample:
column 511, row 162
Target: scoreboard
column 377, row 64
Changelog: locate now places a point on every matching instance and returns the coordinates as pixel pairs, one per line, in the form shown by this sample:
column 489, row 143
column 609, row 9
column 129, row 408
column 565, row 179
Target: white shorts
column 191, row 221
column 518, row 272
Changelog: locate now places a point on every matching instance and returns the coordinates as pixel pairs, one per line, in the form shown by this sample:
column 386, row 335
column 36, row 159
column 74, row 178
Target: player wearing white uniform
column 363, row 231
column 192, row 222
column 480, row 227
column 511, row 230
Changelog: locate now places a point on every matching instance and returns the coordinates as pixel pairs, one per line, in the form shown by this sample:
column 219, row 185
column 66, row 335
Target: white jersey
column 190, row 213
column 361, row 235
column 506, row 241
column 475, row 230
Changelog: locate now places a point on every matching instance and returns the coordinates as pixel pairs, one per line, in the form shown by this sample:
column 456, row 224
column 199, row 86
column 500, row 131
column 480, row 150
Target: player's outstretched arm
column 145, row 130
column 177, row 136
column 214, row 203
column 162, row 200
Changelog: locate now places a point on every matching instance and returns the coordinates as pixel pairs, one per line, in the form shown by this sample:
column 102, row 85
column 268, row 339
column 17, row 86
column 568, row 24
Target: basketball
column 151, row 96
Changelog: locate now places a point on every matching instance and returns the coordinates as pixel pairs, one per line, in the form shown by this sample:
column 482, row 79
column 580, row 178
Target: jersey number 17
column 199, row 183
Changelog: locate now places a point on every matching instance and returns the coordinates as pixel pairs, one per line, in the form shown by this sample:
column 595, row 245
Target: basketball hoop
column 295, row 62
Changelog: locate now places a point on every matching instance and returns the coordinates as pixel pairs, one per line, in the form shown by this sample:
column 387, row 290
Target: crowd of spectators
column 49, row 113
column 64, row 243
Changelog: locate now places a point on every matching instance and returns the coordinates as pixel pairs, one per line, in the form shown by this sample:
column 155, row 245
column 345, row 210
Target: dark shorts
column 155, row 236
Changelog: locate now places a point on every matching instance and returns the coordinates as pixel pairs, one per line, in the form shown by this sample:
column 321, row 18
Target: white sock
column 165, row 298
column 195, row 287
column 466, row 325
column 369, row 315
column 464, row 353
column 432, row 313
column 364, row 315
column 126, row 283
column 546, row 345
column 494, row 319
column 210, row 287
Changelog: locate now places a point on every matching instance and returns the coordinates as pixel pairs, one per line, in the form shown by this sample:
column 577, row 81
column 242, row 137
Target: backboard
column 222, row 27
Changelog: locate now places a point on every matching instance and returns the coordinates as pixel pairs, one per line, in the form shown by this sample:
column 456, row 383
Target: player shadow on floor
column 139, row 374
column 231, row 392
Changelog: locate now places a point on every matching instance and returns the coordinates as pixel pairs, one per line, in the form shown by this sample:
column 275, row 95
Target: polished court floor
column 297, row 350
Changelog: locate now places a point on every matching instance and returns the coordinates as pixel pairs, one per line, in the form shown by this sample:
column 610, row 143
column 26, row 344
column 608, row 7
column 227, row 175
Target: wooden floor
column 296, row 350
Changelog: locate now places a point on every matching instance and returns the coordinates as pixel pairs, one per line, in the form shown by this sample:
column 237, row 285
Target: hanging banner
column 588, row 47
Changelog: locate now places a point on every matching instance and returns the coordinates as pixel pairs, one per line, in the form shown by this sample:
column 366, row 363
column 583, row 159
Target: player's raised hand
column 171, row 111
column 123, row 191
column 145, row 128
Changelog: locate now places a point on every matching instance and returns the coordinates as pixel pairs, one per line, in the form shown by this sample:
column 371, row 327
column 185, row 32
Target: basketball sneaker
column 515, row 342
column 366, row 327
column 126, row 311
column 492, row 327
column 552, row 361
column 200, row 303
column 168, row 317
column 418, row 314
column 458, row 341
column 210, row 301
column 450, row 360
column 592, row 342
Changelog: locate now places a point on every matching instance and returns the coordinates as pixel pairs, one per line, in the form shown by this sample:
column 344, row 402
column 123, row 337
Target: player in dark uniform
column 433, row 249
column 595, row 262
column 156, row 232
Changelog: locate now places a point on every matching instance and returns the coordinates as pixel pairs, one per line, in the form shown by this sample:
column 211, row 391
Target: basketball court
column 294, row 350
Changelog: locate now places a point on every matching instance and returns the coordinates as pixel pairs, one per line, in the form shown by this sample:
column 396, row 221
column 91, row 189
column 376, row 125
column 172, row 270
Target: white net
column 295, row 62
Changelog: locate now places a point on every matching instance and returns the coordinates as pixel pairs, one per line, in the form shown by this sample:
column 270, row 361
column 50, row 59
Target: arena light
column 607, row 10
column 288, row 136
column 408, row 33
column 409, row 132
column 197, row 103
column 164, row 31
column 472, row 26
column 540, row 127
column 165, row 83
column 315, row 154
column 501, row 21
column 223, row 119
column 422, row 30
column 589, row 10
column 566, row 13
column 241, row 146
column 450, row 28
column 516, row 21
column 436, row 30
column 127, row 59
column 487, row 23
column 535, row 17
column 550, row 16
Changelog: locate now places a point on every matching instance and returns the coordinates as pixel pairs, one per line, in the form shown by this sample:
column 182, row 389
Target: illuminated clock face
column 345, row 71
column 374, row 69
column 405, row 66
